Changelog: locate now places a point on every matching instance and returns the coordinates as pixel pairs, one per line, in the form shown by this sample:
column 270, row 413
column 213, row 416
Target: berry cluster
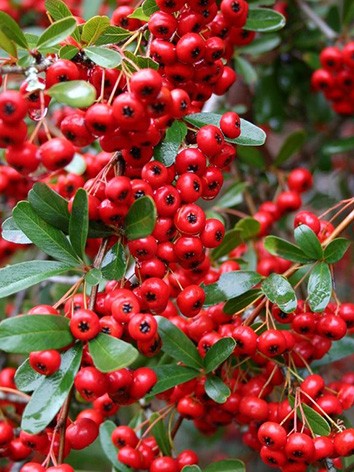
column 335, row 78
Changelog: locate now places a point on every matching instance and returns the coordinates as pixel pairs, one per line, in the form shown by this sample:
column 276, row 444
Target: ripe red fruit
column 13, row 107
column 45, row 362
column 300, row 180
column 344, row 443
column 90, row 383
column 300, row 447
column 230, row 124
column 81, row 433
column 272, row 435
column 84, row 324
column 309, row 219
column 56, row 153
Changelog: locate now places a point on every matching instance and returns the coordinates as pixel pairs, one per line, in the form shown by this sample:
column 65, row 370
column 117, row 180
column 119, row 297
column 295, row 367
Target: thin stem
column 321, row 25
column 10, row 69
column 61, row 426
column 97, row 264
column 176, row 426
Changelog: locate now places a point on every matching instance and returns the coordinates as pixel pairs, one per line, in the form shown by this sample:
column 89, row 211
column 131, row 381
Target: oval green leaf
column 159, row 431
column 50, row 206
column 177, row 345
column 167, row 150
column 94, row 28
column 47, row 238
column 335, row 250
column 219, row 353
column 11, row 232
column 76, row 93
column 237, row 304
column 216, row 389
column 56, row 33
column 308, row 242
column 93, row 277
column 278, row 290
column 231, row 285
column 291, row 145
column 27, row 379
column 48, row 398
column 114, row 263
column 25, row 274
column 282, row 248
column 340, row 349
column 233, row 195
column 264, row 20
column 79, row 222
column 314, row 420
column 109, row 353
column 26, row 333
column 103, row 56
column 10, row 28
column 141, row 218
column 319, row 287
column 170, row 375
column 113, row 35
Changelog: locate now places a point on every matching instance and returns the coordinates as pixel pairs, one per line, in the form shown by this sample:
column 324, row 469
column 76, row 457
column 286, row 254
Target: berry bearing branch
column 143, row 294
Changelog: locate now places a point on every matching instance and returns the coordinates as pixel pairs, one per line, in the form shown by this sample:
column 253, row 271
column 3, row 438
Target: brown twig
column 12, row 69
column 61, row 424
column 316, row 20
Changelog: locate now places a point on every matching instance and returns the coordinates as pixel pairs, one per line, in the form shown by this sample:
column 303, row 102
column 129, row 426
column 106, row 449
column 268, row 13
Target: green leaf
column 250, row 135
column 51, row 240
column 50, row 206
column 334, row 251
column 177, row 345
column 160, row 433
column 191, row 468
column 170, row 375
column 227, row 465
column 94, row 28
column 141, row 218
column 99, row 230
column 76, row 93
column 57, row 9
column 233, row 195
column 264, row 20
column 245, row 229
column 314, row 420
column 166, row 151
column 282, row 248
column 11, row 29
column 261, row 45
column 110, row 451
column 90, row 8
column 237, row 304
column 246, row 70
column 340, row 350
column 27, row 379
column 109, row 353
column 113, row 35
column 149, row 7
column 8, row 45
column 78, row 223
column 218, row 353
column 25, row 274
column 278, row 290
column 291, row 145
column 319, row 287
column 77, row 165
column 93, row 277
column 339, row 146
column 68, row 52
column 216, row 389
column 141, row 62
column 26, row 333
column 103, row 56
column 48, row 398
column 252, row 157
column 114, row 263
column 11, row 232
column 308, row 242
column 230, row 285
column 56, row 33
column 139, row 14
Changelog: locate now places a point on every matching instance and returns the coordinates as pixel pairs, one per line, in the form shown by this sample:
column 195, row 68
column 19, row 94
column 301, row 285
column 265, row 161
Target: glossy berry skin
column 253, row 407
column 81, row 433
column 164, row 464
column 61, row 468
column 146, row 84
column 344, row 443
column 84, row 324
column 142, row 326
column 6, row 433
column 271, row 343
column 273, row 458
column 246, row 340
column 13, row 107
column 300, row 447
column 230, row 124
column 124, row 436
column 300, row 180
column 272, row 435
column 210, row 140
column 62, row 70
column 32, row 467
column 190, row 301
column 309, row 219
column 130, row 457
column 45, row 362
column 90, row 383
column 56, row 153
